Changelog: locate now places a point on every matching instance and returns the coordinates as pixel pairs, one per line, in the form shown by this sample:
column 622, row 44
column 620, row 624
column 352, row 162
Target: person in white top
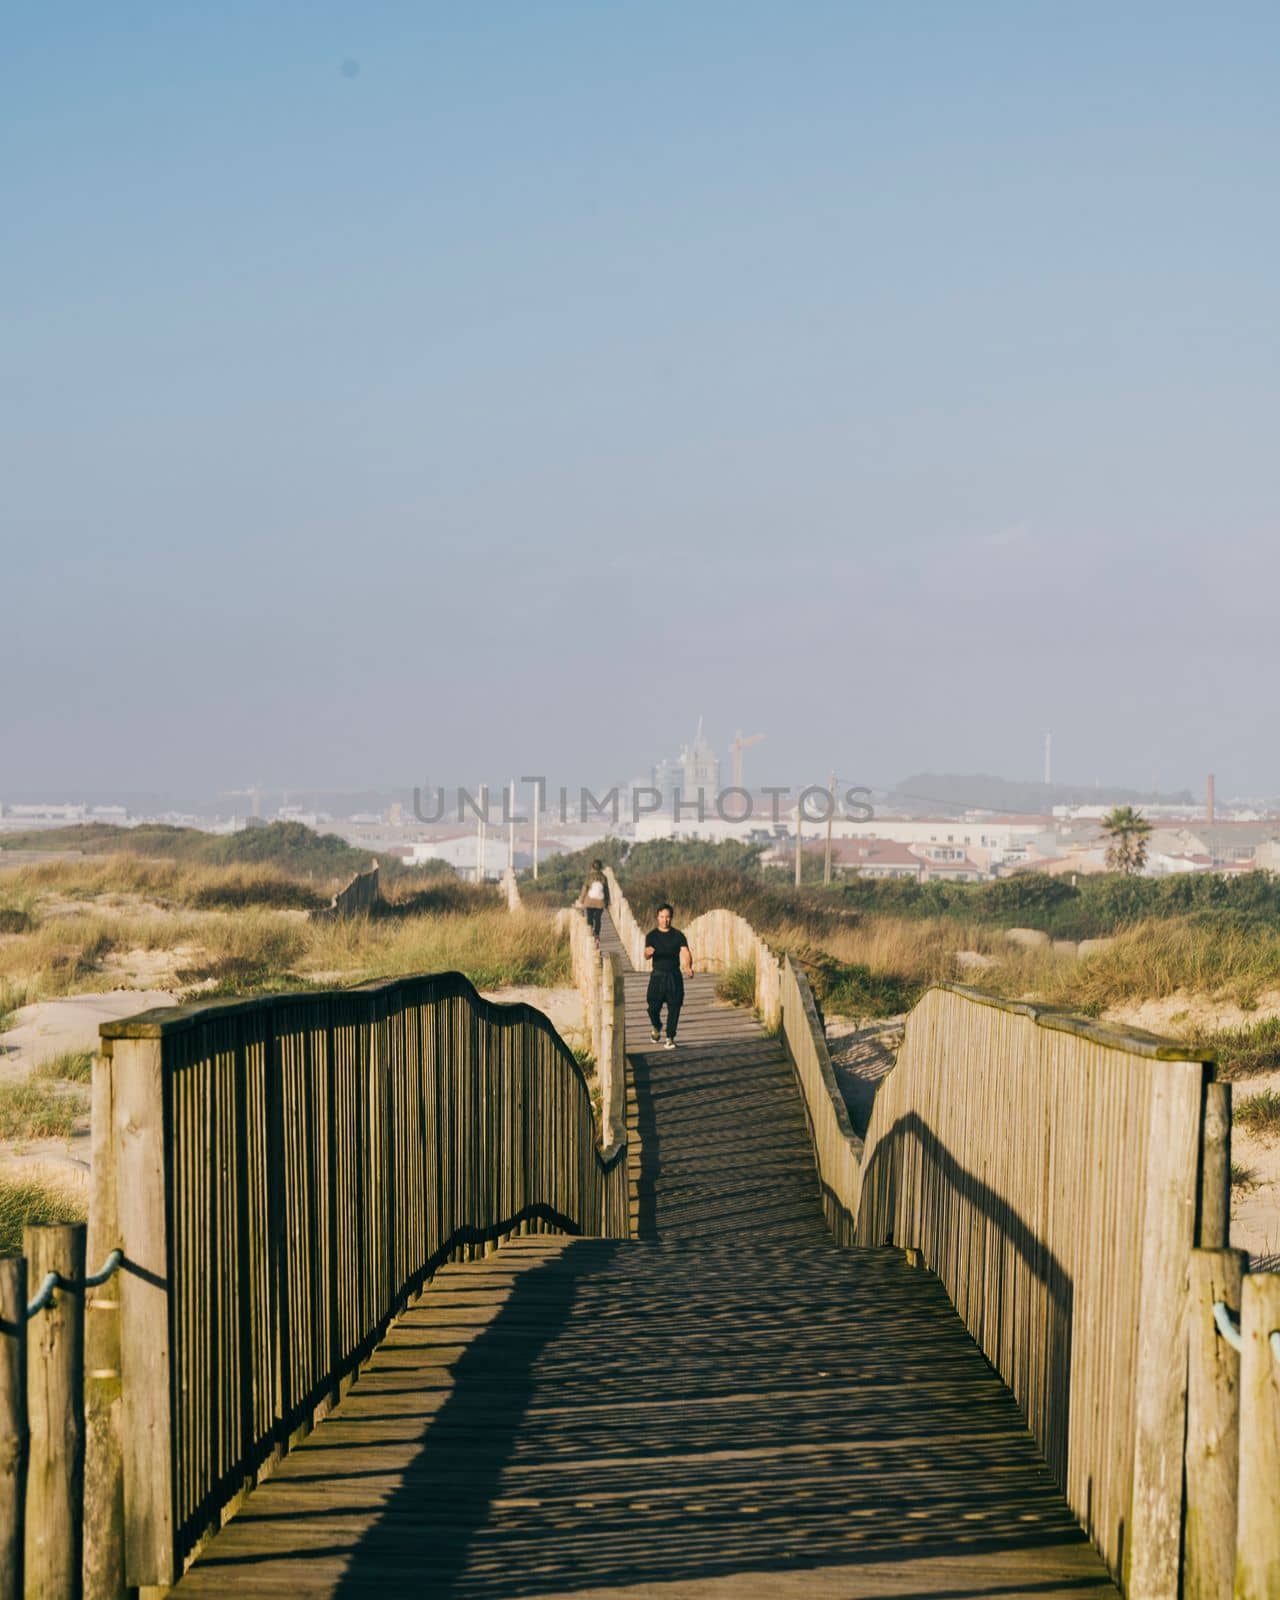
column 595, row 896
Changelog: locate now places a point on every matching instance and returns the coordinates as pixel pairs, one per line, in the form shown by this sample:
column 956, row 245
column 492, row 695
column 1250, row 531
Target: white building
column 990, row 842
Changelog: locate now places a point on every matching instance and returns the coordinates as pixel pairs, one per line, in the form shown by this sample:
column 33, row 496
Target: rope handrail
column 1229, row 1327
column 54, row 1281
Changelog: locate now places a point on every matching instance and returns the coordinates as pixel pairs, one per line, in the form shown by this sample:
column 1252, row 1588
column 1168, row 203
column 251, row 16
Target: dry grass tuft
column 737, row 984
column 1160, row 957
column 494, row 947
column 23, row 1204
column 40, row 1111
column 1259, row 1113
column 70, row 1066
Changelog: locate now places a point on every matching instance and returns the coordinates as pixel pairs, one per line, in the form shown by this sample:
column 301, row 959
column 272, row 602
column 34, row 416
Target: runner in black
column 668, row 949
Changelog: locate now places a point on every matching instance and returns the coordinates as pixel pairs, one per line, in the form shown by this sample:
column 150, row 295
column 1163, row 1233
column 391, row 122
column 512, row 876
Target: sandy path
column 46, row 1029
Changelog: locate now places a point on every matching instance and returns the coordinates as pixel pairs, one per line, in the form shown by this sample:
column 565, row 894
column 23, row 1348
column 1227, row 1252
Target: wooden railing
column 1069, row 1185
column 624, row 920
column 1047, row 1170
column 719, row 940
column 837, row 1149
column 281, row 1176
column 598, row 976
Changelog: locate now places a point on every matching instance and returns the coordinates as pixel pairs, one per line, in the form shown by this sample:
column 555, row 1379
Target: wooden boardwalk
column 727, row 1406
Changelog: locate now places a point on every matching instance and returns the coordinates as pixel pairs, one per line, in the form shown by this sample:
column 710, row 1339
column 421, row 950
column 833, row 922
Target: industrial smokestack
column 1208, row 798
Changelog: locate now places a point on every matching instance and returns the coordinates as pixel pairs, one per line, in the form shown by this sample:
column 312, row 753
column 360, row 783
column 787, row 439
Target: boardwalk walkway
column 728, row 1406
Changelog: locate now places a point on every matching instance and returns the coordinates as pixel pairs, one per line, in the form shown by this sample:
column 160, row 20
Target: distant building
column 1225, row 844
column 874, row 858
column 991, row 843
column 697, row 767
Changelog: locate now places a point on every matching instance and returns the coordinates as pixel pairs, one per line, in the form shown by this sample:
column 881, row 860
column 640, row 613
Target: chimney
column 1208, row 798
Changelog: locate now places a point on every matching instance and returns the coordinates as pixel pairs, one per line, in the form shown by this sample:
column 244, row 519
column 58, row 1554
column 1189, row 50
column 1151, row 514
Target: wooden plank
column 1168, row 1235
column 104, row 1466
column 1215, row 1169
column 147, row 1437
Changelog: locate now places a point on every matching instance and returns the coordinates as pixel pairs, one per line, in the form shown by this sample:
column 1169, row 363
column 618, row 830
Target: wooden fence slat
column 1173, row 1150
column 103, row 1465
column 141, row 1140
column 1215, row 1169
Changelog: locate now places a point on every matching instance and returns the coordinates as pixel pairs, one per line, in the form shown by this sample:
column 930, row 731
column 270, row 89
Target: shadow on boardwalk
column 728, row 1406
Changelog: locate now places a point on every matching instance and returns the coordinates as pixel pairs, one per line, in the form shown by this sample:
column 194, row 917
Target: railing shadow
column 838, row 1418
column 1044, row 1357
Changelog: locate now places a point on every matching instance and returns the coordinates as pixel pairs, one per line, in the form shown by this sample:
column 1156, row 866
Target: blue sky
column 407, row 390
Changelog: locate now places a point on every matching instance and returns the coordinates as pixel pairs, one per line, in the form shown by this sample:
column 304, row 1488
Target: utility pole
column 799, row 811
column 511, row 830
column 831, row 808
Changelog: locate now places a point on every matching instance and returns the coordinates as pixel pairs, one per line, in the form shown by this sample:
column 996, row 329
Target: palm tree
column 1126, row 831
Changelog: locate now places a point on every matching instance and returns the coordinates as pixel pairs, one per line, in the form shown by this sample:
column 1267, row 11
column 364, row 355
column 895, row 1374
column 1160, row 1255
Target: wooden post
column 13, row 1421
column 141, row 1141
column 831, row 811
column 1215, row 1169
column 799, row 810
column 1213, row 1428
column 55, row 1416
column 1173, row 1148
column 103, row 1465
column 1258, row 1528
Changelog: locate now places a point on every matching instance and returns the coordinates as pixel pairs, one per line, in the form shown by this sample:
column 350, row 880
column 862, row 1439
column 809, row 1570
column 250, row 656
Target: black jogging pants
column 665, row 988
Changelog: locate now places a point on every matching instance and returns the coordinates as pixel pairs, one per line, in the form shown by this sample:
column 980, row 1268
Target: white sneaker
column 669, row 1045
column 654, row 1035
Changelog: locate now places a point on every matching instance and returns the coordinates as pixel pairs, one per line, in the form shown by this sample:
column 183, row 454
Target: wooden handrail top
column 166, row 1021
column 1138, row 1041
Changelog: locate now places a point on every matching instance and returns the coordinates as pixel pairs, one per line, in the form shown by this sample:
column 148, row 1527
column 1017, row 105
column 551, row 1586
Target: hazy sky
column 420, row 389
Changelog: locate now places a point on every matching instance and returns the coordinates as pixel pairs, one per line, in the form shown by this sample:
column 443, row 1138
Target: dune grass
column 493, row 947
column 12, row 998
column 40, row 1110
column 24, row 1203
column 1243, row 1178
column 1259, row 1113
column 737, row 984
column 68, row 1066
column 1244, row 1052
column 194, row 886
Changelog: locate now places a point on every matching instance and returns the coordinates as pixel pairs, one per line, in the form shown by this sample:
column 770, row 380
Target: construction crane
column 253, row 793
column 737, row 747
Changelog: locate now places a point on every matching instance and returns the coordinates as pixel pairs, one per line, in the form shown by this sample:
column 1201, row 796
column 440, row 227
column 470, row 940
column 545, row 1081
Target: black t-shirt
column 666, row 948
